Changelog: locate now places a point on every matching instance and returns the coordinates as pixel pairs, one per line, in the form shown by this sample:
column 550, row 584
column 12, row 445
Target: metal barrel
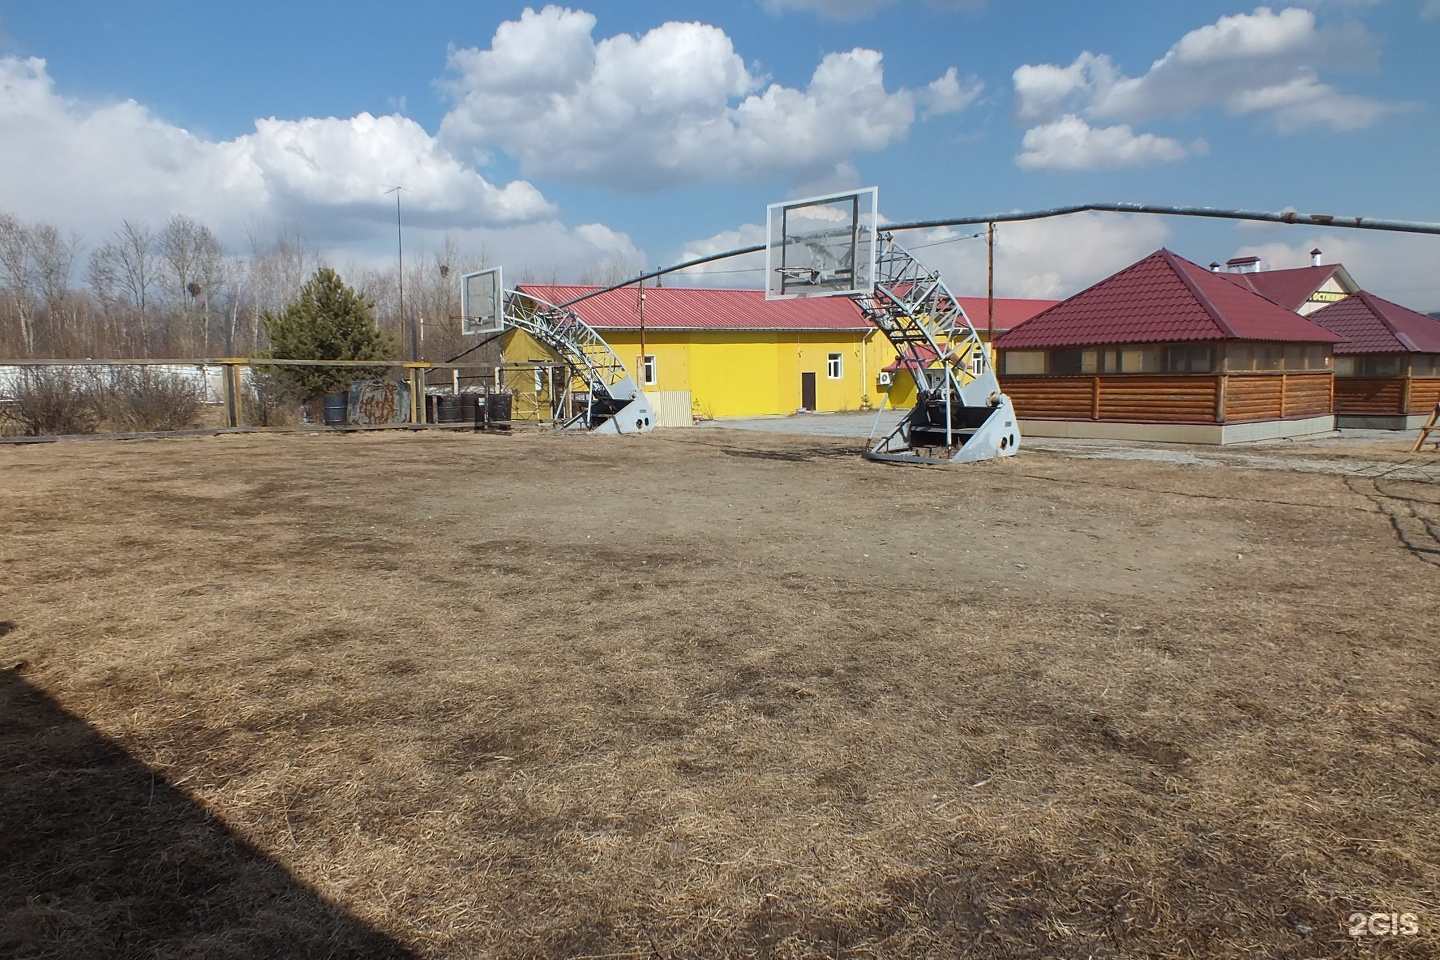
column 471, row 410
column 497, row 407
column 449, row 409
column 335, row 407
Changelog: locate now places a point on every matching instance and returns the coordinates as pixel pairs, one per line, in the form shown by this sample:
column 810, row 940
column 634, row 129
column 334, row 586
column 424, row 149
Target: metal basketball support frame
column 960, row 414
column 614, row 403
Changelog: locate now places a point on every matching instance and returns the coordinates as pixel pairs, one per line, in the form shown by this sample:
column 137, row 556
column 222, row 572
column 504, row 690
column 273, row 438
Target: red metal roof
column 1289, row 288
column 1160, row 299
column 1373, row 325
column 692, row 308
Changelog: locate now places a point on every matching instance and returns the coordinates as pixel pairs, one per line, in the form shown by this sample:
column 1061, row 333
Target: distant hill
column 1434, row 313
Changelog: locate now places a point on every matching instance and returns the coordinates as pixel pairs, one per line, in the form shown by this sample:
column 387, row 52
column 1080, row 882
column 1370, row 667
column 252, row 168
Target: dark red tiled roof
column 692, row 308
column 1289, row 288
column 1373, row 325
column 1161, row 299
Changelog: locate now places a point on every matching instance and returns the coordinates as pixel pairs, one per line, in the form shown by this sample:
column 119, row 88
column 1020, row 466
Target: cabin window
column 1021, row 363
column 1190, row 358
column 647, row 370
column 833, row 366
column 1382, row 365
column 1426, row 365
column 1276, row 357
column 1064, row 362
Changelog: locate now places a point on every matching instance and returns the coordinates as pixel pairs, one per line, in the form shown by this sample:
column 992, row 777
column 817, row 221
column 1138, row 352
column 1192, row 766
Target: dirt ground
column 713, row 694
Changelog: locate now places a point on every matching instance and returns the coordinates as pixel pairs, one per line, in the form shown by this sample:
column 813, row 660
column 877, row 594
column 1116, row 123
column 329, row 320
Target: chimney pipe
column 1214, row 266
column 1315, row 257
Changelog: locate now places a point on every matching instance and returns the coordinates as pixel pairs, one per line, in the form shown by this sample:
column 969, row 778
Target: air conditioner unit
column 884, row 378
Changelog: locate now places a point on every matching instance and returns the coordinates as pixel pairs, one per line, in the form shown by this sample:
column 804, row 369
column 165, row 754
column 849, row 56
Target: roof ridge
column 1372, row 303
column 1175, row 262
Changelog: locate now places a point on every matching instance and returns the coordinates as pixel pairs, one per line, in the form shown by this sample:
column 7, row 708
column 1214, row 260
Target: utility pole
column 400, row 256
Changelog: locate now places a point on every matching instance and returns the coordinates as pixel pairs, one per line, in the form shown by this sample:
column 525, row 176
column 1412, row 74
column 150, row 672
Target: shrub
column 54, row 401
column 270, row 400
column 143, row 398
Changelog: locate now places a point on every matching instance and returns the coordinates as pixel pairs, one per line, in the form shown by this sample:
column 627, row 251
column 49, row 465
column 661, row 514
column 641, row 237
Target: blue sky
column 572, row 141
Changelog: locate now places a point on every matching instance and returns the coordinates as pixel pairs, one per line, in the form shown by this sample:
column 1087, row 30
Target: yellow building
column 710, row 353
column 722, row 353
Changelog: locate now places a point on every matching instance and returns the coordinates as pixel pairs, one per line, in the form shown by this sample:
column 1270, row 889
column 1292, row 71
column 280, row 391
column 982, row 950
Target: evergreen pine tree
column 327, row 321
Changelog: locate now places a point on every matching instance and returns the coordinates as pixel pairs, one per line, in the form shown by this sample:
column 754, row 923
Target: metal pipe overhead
column 1214, row 213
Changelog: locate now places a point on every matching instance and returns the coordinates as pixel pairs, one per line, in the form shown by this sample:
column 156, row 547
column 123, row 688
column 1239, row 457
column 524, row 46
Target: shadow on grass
column 100, row 857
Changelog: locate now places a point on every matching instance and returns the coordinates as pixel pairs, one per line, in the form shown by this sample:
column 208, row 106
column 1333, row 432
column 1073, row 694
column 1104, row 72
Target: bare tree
column 17, row 278
column 191, row 260
column 122, row 271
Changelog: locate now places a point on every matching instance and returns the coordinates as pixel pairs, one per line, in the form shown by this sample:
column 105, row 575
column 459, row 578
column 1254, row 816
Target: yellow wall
column 744, row 374
column 740, row 374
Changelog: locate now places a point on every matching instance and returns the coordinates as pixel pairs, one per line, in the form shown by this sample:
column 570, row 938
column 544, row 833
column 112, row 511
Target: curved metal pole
column 1284, row 216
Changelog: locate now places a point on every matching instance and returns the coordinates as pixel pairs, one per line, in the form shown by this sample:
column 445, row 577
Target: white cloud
column 1045, row 91
column 1305, row 102
column 675, row 106
column 87, row 166
column 1263, row 63
column 1052, row 258
column 948, row 95
column 1071, row 144
column 746, row 273
column 1431, row 10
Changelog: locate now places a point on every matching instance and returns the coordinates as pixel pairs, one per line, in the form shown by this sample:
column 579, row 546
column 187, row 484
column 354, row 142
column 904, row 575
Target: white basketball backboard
column 821, row 247
column 482, row 302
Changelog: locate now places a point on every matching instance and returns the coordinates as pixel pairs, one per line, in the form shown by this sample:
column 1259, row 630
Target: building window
column 1191, row 358
column 647, row 370
column 1072, row 361
column 1421, row 366
column 1276, row 357
column 833, row 367
column 1384, row 366
column 539, row 381
column 1021, row 363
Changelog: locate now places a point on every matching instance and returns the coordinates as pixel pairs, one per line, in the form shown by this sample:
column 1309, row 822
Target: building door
column 807, row 391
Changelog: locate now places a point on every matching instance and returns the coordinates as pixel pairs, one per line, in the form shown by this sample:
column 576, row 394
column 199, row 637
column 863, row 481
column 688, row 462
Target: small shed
column 1387, row 372
column 1167, row 350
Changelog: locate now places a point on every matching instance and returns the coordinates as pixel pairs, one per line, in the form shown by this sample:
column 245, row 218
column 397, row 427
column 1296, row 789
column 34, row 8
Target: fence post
column 417, row 387
column 231, row 366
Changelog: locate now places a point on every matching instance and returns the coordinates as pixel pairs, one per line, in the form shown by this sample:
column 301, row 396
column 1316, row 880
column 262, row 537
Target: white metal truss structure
column 960, row 414
column 612, row 401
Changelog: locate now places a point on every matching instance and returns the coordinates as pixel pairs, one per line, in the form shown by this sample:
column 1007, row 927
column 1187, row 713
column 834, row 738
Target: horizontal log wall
column 1171, row 399
column 1051, row 398
column 1424, row 394
column 1277, row 396
column 1178, row 398
column 1370, row 396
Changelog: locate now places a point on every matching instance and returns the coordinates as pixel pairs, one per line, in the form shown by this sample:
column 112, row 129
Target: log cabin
column 1167, row 350
column 1387, row 372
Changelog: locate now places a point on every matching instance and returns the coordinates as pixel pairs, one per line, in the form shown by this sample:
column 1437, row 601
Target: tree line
column 179, row 292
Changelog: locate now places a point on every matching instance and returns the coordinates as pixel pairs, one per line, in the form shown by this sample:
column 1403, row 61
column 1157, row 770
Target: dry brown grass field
column 710, row 694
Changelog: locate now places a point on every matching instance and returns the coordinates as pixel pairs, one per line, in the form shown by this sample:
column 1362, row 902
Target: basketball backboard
column 482, row 302
column 821, row 247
